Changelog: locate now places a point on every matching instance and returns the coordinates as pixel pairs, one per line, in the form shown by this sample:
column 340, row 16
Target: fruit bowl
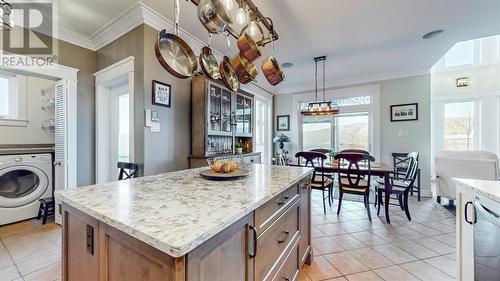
column 224, row 165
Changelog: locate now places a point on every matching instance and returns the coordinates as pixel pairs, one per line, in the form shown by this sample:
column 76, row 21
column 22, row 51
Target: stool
column 46, row 209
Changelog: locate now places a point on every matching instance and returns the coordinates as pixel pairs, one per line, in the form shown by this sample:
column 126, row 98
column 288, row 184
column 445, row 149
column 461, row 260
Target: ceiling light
column 228, row 4
column 241, row 16
column 287, row 65
column 6, row 17
column 323, row 107
column 432, row 34
column 253, row 29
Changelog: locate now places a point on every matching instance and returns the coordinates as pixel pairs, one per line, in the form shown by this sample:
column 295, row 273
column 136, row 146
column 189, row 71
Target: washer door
column 21, row 185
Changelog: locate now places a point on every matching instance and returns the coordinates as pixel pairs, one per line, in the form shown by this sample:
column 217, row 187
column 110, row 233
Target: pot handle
column 176, row 17
column 228, row 45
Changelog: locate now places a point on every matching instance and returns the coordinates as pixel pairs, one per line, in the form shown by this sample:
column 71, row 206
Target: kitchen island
column 179, row 226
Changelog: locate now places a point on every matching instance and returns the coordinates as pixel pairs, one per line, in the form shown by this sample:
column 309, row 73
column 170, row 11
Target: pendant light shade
column 6, row 17
column 241, row 16
column 323, row 107
column 228, row 4
column 253, row 29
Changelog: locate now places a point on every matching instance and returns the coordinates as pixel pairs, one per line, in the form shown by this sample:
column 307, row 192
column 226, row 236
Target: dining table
column 380, row 170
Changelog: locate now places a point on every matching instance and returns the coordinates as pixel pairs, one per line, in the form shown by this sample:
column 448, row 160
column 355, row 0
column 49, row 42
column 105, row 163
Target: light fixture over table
column 323, row 107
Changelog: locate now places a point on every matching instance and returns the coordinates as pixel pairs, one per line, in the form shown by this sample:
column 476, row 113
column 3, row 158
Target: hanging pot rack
column 257, row 16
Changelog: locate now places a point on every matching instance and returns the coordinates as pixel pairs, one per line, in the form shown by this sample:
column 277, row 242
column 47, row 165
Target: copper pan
column 248, row 48
column 272, row 71
column 245, row 69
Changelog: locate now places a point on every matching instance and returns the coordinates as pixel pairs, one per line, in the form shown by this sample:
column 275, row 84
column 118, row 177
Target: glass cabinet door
column 215, row 108
column 240, row 113
column 226, row 111
column 248, row 116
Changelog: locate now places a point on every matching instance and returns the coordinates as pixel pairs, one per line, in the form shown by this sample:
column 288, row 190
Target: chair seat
column 362, row 182
column 398, row 183
column 395, row 189
column 320, row 184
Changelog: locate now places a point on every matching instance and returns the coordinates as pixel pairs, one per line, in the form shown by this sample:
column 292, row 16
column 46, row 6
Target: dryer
column 23, row 180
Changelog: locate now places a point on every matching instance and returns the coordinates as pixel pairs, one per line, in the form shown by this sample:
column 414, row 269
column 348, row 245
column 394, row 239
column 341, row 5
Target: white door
column 119, row 128
column 60, row 163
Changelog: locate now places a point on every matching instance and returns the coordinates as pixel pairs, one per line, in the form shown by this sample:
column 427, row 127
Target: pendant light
column 241, row 15
column 323, row 107
column 228, row 4
column 6, row 17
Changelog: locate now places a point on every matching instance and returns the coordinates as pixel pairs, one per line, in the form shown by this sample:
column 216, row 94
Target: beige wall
column 84, row 60
column 130, row 44
column 169, row 149
column 32, row 133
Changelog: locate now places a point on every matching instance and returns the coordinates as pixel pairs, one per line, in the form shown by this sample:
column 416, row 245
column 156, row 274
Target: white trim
column 120, row 72
column 60, row 72
column 13, row 122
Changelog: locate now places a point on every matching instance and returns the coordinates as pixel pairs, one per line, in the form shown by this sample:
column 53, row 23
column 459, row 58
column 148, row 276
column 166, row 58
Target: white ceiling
column 363, row 40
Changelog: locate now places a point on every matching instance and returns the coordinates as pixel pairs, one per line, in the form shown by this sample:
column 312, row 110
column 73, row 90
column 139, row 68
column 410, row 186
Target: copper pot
column 248, row 48
column 272, row 71
column 245, row 69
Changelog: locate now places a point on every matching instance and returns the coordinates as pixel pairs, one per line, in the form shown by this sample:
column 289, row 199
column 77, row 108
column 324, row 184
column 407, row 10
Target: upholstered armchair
column 463, row 164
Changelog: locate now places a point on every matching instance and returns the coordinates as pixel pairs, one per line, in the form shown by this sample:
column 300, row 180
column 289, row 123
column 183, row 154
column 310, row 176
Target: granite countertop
column 176, row 212
column 489, row 189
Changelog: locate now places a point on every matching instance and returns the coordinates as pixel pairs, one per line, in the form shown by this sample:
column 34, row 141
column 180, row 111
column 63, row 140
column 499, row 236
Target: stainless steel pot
column 213, row 16
column 173, row 53
column 208, row 62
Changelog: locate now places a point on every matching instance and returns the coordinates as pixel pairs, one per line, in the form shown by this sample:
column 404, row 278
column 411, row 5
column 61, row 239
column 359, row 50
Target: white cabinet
column 465, row 233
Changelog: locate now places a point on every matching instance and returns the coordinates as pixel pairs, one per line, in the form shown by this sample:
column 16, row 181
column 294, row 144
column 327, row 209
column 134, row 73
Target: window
column 459, row 126
column 352, row 132
column 316, row 135
column 5, row 97
column 463, row 53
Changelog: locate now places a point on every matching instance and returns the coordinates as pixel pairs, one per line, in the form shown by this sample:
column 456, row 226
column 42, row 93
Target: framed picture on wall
column 161, row 94
column 404, row 112
column 283, row 122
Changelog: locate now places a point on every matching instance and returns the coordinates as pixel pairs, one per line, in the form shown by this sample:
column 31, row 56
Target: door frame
column 57, row 73
column 105, row 79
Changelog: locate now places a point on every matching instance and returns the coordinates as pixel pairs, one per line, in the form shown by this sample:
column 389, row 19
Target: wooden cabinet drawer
column 268, row 213
column 275, row 240
column 289, row 271
column 255, row 159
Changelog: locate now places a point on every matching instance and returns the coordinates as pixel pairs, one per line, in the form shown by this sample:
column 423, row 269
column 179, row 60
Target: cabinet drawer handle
column 466, row 217
column 254, row 234
column 283, row 201
column 90, row 239
column 285, row 237
column 305, row 186
column 286, row 279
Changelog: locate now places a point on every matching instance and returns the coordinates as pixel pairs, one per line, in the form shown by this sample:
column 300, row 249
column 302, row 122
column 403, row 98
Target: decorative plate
column 211, row 175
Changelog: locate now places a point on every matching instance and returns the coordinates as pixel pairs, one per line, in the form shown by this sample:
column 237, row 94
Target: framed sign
column 161, row 94
column 404, row 112
column 283, row 122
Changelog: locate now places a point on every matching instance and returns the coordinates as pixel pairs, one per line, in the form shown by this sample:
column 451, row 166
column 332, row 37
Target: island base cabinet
column 465, row 234
column 304, row 222
column 80, row 261
column 225, row 256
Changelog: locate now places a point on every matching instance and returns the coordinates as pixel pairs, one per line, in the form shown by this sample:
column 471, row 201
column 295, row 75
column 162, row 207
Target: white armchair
column 463, row 164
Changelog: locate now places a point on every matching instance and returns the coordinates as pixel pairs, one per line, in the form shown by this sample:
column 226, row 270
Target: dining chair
column 322, row 150
column 401, row 186
column 320, row 179
column 127, row 170
column 401, row 162
column 352, row 180
column 355, row 151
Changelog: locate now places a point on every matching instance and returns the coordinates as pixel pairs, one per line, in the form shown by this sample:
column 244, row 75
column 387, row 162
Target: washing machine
column 23, row 180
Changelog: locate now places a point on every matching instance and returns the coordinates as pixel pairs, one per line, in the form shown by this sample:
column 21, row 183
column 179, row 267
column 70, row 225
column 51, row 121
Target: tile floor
column 30, row 251
column 349, row 247
column 346, row 247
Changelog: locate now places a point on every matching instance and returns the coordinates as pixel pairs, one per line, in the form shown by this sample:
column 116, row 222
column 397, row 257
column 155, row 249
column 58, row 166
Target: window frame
column 477, row 56
column 13, row 98
column 475, row 125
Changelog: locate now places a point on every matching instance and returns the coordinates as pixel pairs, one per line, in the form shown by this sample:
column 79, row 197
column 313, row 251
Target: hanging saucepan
column 270, row 66
column 213, row 15
column 228, row 75
column 208, row 62
column 245, row 69
column 247, row 45
column 173, row 53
